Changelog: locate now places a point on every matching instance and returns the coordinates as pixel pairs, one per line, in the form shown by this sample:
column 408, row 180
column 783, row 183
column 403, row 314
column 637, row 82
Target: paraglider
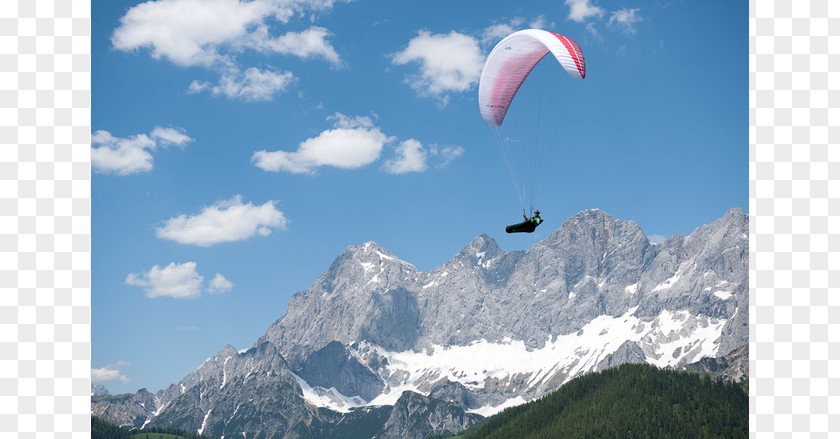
column 526, row 147
column 527, row 226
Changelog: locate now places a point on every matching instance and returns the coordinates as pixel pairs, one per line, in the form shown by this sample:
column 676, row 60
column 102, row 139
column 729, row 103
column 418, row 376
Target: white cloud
column 590, row 27
column 179, row 281
column 106, row 374
column 187, row 32
column 251, row 85
column 170, row 136
column 124, row 156
column 203, row 32
column 311, row 43
column 625, row 19
column 494, row 33
column 541, row 23
column 211, row 33
column 351, row 144
column 199, row 86
column 219, row 285
column 448, row 154
column 448, row 63
column 225, row 221
column 411, row 157
column 581, row 10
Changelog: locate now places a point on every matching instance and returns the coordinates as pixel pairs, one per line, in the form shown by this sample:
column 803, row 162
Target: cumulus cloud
column 581, row 10
column 131, row 155
column 211, row 33
column 625, row 19
column 205, row 32
column 107, row 374
column 179, row 281
column 541, row 22
column 219, row 285
column 311, row 43
column 224, row 221
column 448, row 63
column 186, row 32
column 411, row 156
column 251, row 85
column 495, row 32
column 350, row 144
column 170, row 136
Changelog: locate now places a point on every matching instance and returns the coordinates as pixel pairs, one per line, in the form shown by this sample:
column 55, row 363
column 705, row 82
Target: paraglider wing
column 510, row 62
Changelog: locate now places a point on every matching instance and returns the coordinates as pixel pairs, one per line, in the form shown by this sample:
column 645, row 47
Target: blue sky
column 239, row 146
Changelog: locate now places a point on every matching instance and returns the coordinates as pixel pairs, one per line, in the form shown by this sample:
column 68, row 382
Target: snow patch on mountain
column 489, row 410
column 676, row 337
column 204, row 422
column 723, row 295
column 668, row 283
column 329, row 398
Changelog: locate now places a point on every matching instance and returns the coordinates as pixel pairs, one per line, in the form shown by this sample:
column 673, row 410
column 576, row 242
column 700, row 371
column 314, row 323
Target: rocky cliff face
column 126, row 410
column 733, row 366
column 486, row 330
column 416, row 416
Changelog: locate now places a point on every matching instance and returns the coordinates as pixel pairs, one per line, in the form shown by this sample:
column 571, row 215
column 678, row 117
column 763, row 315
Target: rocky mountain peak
column 369, row 250
column 98, row 390
column 479, row 252
column 366, row 265
column 367, row 255
column 592, row 244
column 595, row 229
column 227, row 351
column 735, row 213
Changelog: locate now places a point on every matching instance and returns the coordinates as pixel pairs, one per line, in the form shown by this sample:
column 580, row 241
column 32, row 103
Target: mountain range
column 377, row 348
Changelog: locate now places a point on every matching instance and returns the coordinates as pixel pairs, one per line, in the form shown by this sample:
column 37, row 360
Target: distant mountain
column 484, row 331
column 632, row 400
column 99, row 390
column 126, row 410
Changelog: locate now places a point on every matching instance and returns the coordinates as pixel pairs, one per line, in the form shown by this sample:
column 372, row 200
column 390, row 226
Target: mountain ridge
column 485, row 330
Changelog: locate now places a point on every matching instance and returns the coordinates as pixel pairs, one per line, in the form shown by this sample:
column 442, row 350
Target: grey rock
column 628, row 352
column 126, row 410
column 416, row 416
column 733, row 366
column 99, row 390
column 334, row 366
column 456, row 393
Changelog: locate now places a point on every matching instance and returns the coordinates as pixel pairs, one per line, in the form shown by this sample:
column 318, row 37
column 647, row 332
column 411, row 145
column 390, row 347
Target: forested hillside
column 100, row 429
column 630, row 401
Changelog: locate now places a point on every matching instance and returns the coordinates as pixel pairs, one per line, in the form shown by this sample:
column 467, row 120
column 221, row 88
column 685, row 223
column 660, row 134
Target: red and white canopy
column 510, row 62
